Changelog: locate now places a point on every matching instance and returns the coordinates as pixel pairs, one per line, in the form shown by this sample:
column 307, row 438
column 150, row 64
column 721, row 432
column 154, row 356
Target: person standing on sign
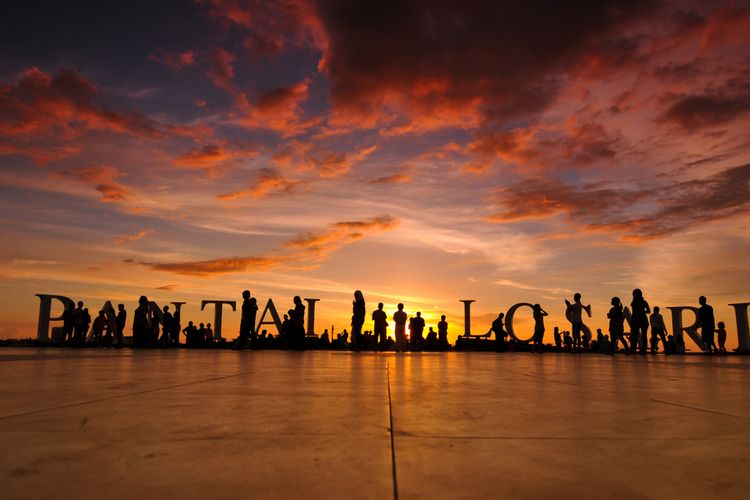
column 574, row 313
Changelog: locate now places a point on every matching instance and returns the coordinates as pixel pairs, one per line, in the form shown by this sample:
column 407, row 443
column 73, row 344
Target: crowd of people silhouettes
column 159, row 328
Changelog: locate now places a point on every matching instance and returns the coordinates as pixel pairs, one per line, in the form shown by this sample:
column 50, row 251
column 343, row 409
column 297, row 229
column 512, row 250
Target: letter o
column 509, row 320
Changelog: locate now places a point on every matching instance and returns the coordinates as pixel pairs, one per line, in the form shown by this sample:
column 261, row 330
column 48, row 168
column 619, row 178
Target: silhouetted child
column 567, row 341
column 558, row 338
column 721, row 332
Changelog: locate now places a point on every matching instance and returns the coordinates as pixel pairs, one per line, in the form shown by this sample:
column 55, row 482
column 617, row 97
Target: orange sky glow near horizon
column 422, row 152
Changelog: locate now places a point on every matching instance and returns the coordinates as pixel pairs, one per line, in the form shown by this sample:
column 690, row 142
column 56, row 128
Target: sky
column 423, row 152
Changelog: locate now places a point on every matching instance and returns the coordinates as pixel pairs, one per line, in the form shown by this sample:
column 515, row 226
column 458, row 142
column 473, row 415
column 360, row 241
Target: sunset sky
column 423, row 152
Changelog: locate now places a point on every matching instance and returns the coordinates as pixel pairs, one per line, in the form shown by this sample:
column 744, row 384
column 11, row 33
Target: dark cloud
column 41, row 112
column 636, row 214
column 427, row 59
column 573, row 145
column 271, row 26
column 711, row 107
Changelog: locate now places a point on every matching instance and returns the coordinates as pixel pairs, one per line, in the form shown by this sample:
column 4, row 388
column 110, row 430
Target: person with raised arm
column 616, row 317
column 539, row 315
column 574, row 312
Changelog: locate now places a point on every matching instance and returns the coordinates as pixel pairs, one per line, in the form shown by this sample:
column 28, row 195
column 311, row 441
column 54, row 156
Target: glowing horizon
column 190, row 150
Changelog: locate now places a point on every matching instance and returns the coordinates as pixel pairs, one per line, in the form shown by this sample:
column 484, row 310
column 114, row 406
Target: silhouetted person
column 140, row 323
column 176, row 328
column 399, row 318
column 200, row 337
column 498, row 328
column 605, row 346
column 209, row 334
column 247, row 321
column 639, row 321
column 287, row 329
column 707, row 324
column 100, row 323
column 567, row 341
column 558, row 338
column 111, row 328
column 721, row 332
column 586, row 338
column 417, row 330
column 358, row 319
column 86, row 322
column 658, row 330
column 155, row 328
column 68, row 317
column 380, row 324
column 120, row 321
column 616, row 317
column 166, row 327
column 539, row 315
column 78, row 324
column 575, row 311
column 299, row 313
column 431, row 341
column 191, row 334
column 443, row 333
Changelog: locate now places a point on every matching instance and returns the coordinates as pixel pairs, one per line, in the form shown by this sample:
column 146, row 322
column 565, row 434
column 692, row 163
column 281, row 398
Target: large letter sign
column 45, row 309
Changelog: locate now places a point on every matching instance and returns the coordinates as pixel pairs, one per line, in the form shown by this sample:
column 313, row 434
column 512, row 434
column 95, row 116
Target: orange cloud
column 272, row 27
column 40, row 154
column 392, row 179
column 213, row 157
column 132, row 237
column 102, row 178
column 309, row 247
column 341, row 233
column 61, row 107
column 220, row 69
column 268, row 182
column 277, row 109
column 326, row 163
